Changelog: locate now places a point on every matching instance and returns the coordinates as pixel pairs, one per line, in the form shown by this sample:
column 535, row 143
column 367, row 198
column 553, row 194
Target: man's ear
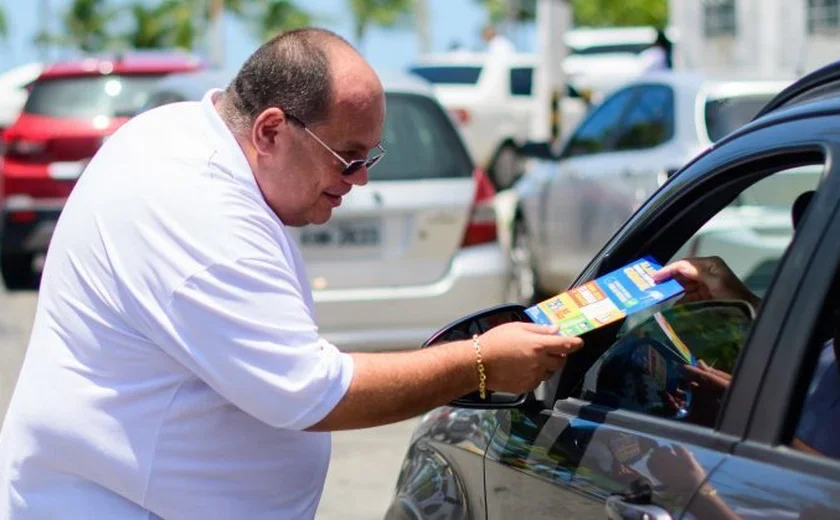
column 266, row 129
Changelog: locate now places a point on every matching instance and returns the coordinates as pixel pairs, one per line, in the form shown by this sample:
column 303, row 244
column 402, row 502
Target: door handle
column 618, row 508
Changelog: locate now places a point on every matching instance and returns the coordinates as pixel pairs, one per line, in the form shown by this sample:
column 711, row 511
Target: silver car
column 564, row 210
column 414, row 248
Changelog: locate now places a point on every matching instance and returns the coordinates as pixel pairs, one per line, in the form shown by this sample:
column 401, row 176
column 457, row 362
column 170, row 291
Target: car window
column 594, row 135
column 650, row 120
column 85, row 97
column 420, row 141
column 162, row 97
column 614, row 48
column 818, row 416
column 448, row 74
column 677, row 360
column 724, row 115
column 521, row 81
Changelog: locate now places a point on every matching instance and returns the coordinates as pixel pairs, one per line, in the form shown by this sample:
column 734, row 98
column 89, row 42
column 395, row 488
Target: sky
column 386, row 49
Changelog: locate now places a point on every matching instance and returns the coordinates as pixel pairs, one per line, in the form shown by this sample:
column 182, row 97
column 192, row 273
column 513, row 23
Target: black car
column 620, row 432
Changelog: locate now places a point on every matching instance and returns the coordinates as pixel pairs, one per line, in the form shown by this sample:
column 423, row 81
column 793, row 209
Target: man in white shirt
column 175, row 369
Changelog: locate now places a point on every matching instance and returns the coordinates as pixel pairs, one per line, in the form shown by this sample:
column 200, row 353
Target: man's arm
column 390, row 387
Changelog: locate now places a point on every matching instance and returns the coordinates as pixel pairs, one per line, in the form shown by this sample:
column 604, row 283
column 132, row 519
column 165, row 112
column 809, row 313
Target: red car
column 72, row 107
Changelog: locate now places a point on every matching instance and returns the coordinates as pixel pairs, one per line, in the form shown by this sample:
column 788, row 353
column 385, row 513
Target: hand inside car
column 707, row 278
column 708, row 386
column 518, row 356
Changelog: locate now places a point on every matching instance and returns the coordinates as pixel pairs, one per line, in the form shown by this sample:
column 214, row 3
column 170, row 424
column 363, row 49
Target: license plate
column 343, row 234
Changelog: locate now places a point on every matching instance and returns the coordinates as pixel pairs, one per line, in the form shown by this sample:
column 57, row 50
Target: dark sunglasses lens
column 353, row 167
column 370, row 163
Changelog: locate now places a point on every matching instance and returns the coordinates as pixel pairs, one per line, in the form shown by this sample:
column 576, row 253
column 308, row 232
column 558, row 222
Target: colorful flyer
column 606, row 299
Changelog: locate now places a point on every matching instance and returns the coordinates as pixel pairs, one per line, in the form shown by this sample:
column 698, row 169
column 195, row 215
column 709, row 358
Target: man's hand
column 393, row 386
column 708, row 385
column 706, row 278
column 518, row 356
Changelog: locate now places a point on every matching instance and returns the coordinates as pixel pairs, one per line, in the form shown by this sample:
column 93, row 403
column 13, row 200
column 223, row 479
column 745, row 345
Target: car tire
column 523, row 285
column 507, row 167
column 18, row 272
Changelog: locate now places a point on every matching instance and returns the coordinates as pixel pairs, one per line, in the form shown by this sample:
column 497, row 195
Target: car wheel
column 507, row 167
column 18, row 273
column 522, row 285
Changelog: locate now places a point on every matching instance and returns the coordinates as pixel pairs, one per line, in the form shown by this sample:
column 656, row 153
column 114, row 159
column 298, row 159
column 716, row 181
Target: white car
column 413, row 249
column 492, row 98
column 565, row 209
column 600, row 59
column 14, row 92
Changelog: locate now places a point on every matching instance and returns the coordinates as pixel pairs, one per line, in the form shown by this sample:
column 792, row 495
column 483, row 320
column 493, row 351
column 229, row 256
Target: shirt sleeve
column 244, row 329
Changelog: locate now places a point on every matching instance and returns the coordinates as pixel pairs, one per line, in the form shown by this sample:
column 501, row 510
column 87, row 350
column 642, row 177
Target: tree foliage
column 591, row 13
column 89, row 25
column 382, row 13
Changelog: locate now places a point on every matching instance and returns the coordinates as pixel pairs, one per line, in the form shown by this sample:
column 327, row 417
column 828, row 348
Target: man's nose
column 358, row 177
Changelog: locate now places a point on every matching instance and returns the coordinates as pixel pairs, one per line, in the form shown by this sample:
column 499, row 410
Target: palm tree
column 384, row 13
column 169, row 24
column 86, row 25
column 281, row 16
column 4, row 25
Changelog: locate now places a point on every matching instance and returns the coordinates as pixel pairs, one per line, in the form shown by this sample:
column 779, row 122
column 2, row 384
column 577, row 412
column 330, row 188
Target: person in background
column 496, row 43
column 659, row 56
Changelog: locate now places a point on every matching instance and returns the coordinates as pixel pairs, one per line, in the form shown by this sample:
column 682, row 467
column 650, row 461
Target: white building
column 756, row 38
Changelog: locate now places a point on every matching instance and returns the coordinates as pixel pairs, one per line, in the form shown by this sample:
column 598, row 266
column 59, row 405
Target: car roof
column 472, row 58
column 126, row 63
column 820, row 84
column 594, row 36
column 194, row 85
column 713, row 87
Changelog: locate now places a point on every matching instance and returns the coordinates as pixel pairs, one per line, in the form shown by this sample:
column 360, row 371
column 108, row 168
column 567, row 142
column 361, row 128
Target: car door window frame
column 608, row 146
column 797, row 302
column 679, row 200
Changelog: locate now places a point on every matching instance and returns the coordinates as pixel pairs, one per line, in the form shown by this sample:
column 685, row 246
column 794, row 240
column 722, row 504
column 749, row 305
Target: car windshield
column 449, row 74
column 86, row 97
column 421, row 142
column 726, row 114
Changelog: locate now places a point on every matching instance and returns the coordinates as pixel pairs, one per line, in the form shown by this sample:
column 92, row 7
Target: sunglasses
column 350, row 167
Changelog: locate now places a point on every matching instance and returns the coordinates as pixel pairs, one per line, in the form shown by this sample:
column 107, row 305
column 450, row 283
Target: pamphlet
column 605, row 300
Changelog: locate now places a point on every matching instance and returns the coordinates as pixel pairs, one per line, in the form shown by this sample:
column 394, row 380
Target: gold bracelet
column 707, row 491
column 482, row 378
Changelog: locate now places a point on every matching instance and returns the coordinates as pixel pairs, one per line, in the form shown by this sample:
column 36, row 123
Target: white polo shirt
column 174, row 358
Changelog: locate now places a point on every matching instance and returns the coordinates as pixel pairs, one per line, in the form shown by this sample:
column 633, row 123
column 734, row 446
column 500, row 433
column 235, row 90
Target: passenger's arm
column 707, row 278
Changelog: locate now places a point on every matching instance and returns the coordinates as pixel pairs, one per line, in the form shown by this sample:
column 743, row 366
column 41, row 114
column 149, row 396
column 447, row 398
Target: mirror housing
column 479, row 323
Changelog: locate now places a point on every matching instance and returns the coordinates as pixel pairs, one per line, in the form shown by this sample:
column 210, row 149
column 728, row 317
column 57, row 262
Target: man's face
column 300, row 178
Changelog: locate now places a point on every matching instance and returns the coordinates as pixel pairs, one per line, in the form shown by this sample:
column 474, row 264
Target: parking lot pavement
column 364, row 465
column 16, row 313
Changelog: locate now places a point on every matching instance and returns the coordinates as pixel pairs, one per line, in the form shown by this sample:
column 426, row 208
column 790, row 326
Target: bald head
column 305, row 73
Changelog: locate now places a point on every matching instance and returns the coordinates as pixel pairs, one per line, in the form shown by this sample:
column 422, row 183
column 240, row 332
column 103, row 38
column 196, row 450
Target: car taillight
column 481, row 228
column 24, row 147
column 461, row 115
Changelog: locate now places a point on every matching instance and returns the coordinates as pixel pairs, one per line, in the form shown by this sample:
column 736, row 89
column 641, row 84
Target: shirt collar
column 227, row 147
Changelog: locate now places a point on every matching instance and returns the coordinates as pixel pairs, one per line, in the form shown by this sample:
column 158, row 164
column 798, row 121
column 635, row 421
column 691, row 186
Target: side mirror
column 479, row 323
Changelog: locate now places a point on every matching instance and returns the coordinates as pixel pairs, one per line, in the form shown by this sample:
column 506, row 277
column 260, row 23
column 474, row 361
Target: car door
column 612, row 187
column 566, row 214
column 585, row 457
column 771, row 474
